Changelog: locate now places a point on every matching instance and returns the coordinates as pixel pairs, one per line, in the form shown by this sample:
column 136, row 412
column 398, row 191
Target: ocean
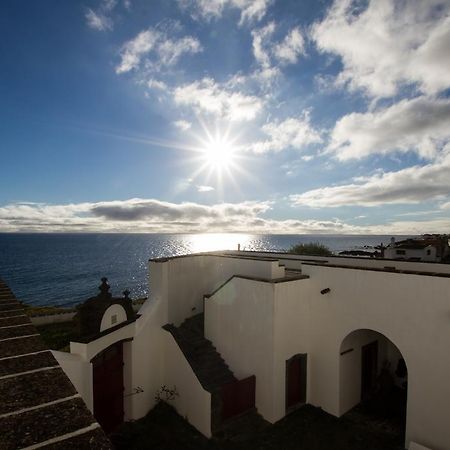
column 65, row 269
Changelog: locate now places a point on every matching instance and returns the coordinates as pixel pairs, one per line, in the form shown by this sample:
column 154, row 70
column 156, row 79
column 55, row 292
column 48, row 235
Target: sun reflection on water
column 208, row 242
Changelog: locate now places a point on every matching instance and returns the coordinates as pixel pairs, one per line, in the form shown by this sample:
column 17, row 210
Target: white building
column 427, row 248
column 283, row 330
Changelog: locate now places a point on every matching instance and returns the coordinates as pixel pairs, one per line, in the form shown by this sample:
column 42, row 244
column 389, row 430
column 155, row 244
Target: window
column 428, row 252
column 400, row 252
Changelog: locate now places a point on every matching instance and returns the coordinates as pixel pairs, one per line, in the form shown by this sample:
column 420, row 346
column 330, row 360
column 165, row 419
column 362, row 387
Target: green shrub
column 311, row 248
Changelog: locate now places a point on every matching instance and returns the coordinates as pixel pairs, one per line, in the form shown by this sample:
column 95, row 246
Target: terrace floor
column 308, row 428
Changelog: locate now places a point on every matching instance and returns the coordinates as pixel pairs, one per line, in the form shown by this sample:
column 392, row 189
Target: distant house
column 430, row 248
column 223, row 333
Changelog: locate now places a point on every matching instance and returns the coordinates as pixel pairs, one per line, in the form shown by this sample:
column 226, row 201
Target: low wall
column 291, row 261
column 47, row 319
column 193, row 402
column 52, row 318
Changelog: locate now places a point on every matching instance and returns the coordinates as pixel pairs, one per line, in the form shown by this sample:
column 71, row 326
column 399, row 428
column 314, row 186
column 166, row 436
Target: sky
column 254, row 116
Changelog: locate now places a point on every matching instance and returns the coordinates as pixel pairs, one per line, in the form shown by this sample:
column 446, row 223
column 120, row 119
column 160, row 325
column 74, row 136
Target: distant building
column 430, row 248
column 227, row 332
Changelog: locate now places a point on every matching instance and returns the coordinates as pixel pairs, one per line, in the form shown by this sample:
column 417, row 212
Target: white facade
column 428, row 253
column 258, row 316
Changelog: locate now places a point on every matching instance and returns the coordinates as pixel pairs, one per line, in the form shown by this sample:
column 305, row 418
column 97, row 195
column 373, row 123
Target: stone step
column 205, row 360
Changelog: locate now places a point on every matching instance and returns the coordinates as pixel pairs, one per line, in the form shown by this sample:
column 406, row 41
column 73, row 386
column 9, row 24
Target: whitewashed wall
column 79, row 373
column 239, row 323
column 391, row 252
column 113, row 315
column 291, row 337
column 412, row 311
column 193, row 277
column 193, row 402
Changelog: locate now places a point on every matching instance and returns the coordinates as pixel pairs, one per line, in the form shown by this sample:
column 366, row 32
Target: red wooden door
column 296, row 381
column 238, row 397
column 108, row 387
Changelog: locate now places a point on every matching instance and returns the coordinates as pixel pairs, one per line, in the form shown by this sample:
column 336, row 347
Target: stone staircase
column 213, row 373
column 207, row 364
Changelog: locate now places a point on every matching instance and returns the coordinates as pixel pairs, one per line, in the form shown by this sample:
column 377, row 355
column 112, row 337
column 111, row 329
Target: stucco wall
column 410, row 310
column 412, row 253
column 148, row 357
column 239, row 323
column 113, row 315
column 190, row 278
column 79, row 373
column 291, row 337
column 193, row 402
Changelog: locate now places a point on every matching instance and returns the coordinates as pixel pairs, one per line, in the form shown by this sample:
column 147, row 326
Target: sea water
column 65, row 269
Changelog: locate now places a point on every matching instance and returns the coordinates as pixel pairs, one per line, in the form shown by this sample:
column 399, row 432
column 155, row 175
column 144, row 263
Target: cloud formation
column 292, row 133
column 207, row 96
column 165, row 50
column 420, row 125
column 268, row 52
column 251, row 10
column 408, row 186
column 149, row 215
column 388, row 44
column 100, row 19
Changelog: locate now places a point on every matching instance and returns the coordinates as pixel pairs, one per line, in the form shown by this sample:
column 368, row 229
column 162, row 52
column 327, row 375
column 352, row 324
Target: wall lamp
column 325, row 291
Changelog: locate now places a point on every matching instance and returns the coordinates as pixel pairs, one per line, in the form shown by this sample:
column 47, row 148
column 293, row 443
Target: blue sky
column 225, row 115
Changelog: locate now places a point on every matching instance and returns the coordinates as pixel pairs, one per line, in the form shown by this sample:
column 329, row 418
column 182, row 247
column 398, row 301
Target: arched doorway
column 373, row 378
column 108, row 387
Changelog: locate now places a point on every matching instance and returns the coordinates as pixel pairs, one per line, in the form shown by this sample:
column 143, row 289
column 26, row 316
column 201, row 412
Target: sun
column 219, row 153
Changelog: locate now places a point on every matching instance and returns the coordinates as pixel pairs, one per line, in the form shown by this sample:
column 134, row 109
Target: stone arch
column 369, row 362
column 351, row 359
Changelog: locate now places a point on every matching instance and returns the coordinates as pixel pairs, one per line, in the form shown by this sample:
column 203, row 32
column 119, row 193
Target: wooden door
column 296, row 381
column 369, row 369
column 238, row 397
column 108, row 387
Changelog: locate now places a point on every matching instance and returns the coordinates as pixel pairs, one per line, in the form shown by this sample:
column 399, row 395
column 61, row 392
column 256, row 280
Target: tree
column 311, row 248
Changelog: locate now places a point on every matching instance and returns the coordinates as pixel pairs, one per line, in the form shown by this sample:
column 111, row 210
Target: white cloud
column 389, row 44
column 133, row 50
column 149, row 215
column 98, row 21
column 202, row 188
column 251, row 10
column 291, row 47
column 209, row 97
column 285, row 52
column 157, row 84
column 171, row 50
column 100, row 18
column 183, row 125
column 294, row 132
column 420, row 125
column 260, row 43
column 407, row 186
column 166, row 50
